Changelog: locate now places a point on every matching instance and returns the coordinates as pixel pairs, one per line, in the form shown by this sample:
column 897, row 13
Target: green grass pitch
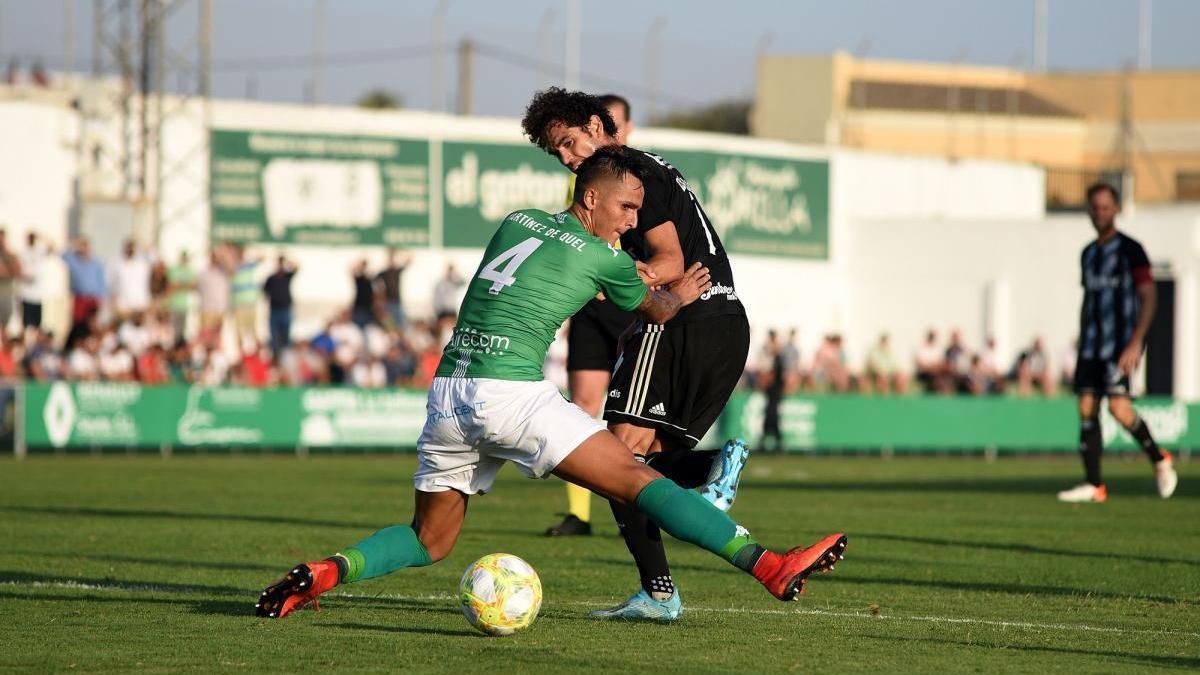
column 138, row 563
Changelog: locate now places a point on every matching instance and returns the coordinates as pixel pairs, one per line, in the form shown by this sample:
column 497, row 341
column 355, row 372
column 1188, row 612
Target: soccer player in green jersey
column 490, row 404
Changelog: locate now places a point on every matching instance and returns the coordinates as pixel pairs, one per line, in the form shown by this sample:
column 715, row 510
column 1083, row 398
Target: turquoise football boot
column 722, row 485
column 642, row 607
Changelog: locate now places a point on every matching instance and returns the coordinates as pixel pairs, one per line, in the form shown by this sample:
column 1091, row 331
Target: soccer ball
column 500, row 594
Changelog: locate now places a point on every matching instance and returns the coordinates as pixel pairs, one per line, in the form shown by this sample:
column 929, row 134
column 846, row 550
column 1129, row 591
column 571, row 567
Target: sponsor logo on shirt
column 470, row 338
column 615, row 393
column 720, row 289
column 1100, row 282
column 658, row 409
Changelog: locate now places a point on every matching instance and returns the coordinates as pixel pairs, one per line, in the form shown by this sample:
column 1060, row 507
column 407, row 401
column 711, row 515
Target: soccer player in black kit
column 671, row 381
column 1118, row 305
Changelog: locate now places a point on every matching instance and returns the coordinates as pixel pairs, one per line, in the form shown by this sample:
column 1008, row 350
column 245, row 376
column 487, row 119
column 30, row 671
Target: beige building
column 1080, row 126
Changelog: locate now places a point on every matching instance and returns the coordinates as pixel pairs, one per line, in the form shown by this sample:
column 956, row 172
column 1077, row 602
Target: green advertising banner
column 761, row 205
column 329, row 189
column 326, row 189
column 927, row 423
column 63, row 415
column 483, row 182
column 86, row 415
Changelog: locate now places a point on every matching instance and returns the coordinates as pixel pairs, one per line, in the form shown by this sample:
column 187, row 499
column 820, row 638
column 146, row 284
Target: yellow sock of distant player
column 579, row 502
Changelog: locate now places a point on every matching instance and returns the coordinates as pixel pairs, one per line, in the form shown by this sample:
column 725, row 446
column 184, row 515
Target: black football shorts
column 677, row 379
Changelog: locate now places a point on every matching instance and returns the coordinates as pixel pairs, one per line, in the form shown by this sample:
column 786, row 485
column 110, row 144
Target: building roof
column 885, row 95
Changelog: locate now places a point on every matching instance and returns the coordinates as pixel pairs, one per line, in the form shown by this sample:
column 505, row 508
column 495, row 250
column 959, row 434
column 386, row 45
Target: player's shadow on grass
column 419, row 630
column 985, row 587
column 198, row 597
column 1009, row 588
column 185, row 515
column 165, row 562
column 19, row 578
column 716, row 566
column 1024, row 548
column 1047, row 486
column 1136, row 659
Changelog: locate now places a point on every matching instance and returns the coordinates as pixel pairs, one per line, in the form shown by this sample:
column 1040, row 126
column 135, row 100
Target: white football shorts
column 474, row 425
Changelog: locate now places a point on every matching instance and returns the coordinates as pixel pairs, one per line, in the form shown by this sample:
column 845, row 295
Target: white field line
column 1029, row 625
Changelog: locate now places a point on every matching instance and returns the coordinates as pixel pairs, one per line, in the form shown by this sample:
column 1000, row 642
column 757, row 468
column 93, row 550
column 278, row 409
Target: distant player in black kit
column 591, row 351
column 1118, row 305
column 671, row 381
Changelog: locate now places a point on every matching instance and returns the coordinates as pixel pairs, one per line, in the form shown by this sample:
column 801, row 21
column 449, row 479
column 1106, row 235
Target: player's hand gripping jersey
column 537, row 271
column 668, row 198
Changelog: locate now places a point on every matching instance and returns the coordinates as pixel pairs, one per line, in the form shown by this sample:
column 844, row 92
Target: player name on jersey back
column 537, row 271
column 668, row 198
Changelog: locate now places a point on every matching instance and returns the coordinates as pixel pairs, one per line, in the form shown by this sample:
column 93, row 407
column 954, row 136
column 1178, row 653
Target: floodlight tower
column 107, row 169
column 183, row 51
column 125, row 159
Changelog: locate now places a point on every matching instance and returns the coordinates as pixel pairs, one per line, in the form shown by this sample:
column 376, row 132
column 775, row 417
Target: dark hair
column 1096, row 188
column 559, row 106
column 610, row 99
column 612, row 162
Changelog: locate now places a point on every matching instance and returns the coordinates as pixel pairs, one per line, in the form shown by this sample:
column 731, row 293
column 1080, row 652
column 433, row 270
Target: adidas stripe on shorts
column 677, row 379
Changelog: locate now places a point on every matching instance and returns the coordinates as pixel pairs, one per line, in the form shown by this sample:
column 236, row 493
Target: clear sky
column 706, row 49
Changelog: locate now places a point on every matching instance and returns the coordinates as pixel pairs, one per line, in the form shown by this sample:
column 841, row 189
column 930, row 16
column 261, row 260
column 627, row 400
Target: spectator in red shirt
column 256, row 367
column 152, row 366
column 8, row 360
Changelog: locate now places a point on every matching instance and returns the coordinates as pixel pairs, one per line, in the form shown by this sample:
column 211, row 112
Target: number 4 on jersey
column 514, row 257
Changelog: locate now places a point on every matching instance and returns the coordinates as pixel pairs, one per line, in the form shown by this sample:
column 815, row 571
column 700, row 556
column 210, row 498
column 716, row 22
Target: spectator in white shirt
column 377, row 340
column 369, row 373
column 129, row 282
column 33, row 282
column 447, row 294
column 81, row 362
column 116, row 365
column 930, row 363
column 348, row 343
column 134, row 334
column 213, row 290
column 161, row 327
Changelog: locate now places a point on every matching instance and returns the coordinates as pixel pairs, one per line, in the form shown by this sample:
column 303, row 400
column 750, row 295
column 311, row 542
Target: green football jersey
column 537, row 271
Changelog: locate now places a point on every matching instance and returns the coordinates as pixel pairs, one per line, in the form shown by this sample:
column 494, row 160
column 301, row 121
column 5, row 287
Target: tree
column 727, row 117
column 380, row 99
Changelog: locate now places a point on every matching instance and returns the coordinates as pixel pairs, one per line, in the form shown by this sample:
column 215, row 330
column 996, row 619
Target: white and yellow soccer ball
column 500, row 594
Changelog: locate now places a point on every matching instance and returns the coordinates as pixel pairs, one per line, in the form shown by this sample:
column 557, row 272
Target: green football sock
column 687, row 516
column 384, row 552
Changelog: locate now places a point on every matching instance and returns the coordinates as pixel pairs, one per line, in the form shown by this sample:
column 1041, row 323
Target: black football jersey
column 668, row 198
column 1111, row 273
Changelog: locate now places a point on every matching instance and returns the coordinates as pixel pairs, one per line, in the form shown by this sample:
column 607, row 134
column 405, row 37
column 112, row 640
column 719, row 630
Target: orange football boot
column 297, row 588
column 784, row 575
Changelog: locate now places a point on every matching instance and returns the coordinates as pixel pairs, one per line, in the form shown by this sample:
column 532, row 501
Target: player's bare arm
column 661, row 305
column 1133, row 351
column 666, row 256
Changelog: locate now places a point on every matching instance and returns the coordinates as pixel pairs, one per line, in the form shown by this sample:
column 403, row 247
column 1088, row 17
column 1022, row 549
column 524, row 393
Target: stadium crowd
column 938, row 368
column 139, row 319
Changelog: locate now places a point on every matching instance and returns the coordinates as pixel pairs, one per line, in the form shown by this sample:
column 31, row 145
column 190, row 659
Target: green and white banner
column 62, row 415
column 85, row 415
column 761, row 205
column 935, row 423
column 325, row 189
column 329, row 189
column 483, row 182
